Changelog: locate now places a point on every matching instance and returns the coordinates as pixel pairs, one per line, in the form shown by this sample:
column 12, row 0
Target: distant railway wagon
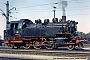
column 1, row 41
column 48, row 35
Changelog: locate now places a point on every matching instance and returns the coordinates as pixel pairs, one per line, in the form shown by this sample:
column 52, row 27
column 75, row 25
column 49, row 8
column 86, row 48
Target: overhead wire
column 77, row 8
column 79, row 1
column 85, row 7
column 36, row 5
column 50, row 3
column 50, row 9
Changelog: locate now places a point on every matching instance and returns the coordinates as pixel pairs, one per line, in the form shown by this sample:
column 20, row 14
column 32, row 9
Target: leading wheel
column 80, row 45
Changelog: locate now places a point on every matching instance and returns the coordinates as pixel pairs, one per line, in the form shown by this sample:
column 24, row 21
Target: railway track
column 58, row 52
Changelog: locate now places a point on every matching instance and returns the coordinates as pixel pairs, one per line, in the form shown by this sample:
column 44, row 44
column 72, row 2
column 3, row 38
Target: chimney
column 63, row 18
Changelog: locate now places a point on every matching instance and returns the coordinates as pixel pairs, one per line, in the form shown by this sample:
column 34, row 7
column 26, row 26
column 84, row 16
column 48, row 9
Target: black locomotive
column 39, row 35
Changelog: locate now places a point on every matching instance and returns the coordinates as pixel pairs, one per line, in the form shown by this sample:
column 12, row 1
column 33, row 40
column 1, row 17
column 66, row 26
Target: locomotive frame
column 43, row 35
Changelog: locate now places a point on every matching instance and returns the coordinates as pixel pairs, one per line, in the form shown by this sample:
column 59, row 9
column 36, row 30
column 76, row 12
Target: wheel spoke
column 26, row 46
column 37, row 45
column 12, row 46
column 80, row 45
column 70, row 47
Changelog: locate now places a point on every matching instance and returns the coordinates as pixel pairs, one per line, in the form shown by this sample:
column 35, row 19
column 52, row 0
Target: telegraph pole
column 7, row 14
column 7, row 11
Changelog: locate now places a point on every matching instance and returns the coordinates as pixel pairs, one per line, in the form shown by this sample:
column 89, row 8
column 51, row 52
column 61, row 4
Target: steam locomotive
column 38, row 35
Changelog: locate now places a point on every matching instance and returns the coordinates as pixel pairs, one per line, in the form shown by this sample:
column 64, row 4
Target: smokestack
column 63, row 18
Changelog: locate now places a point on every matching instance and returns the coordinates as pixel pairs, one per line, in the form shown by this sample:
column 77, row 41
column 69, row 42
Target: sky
column 78, row 10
